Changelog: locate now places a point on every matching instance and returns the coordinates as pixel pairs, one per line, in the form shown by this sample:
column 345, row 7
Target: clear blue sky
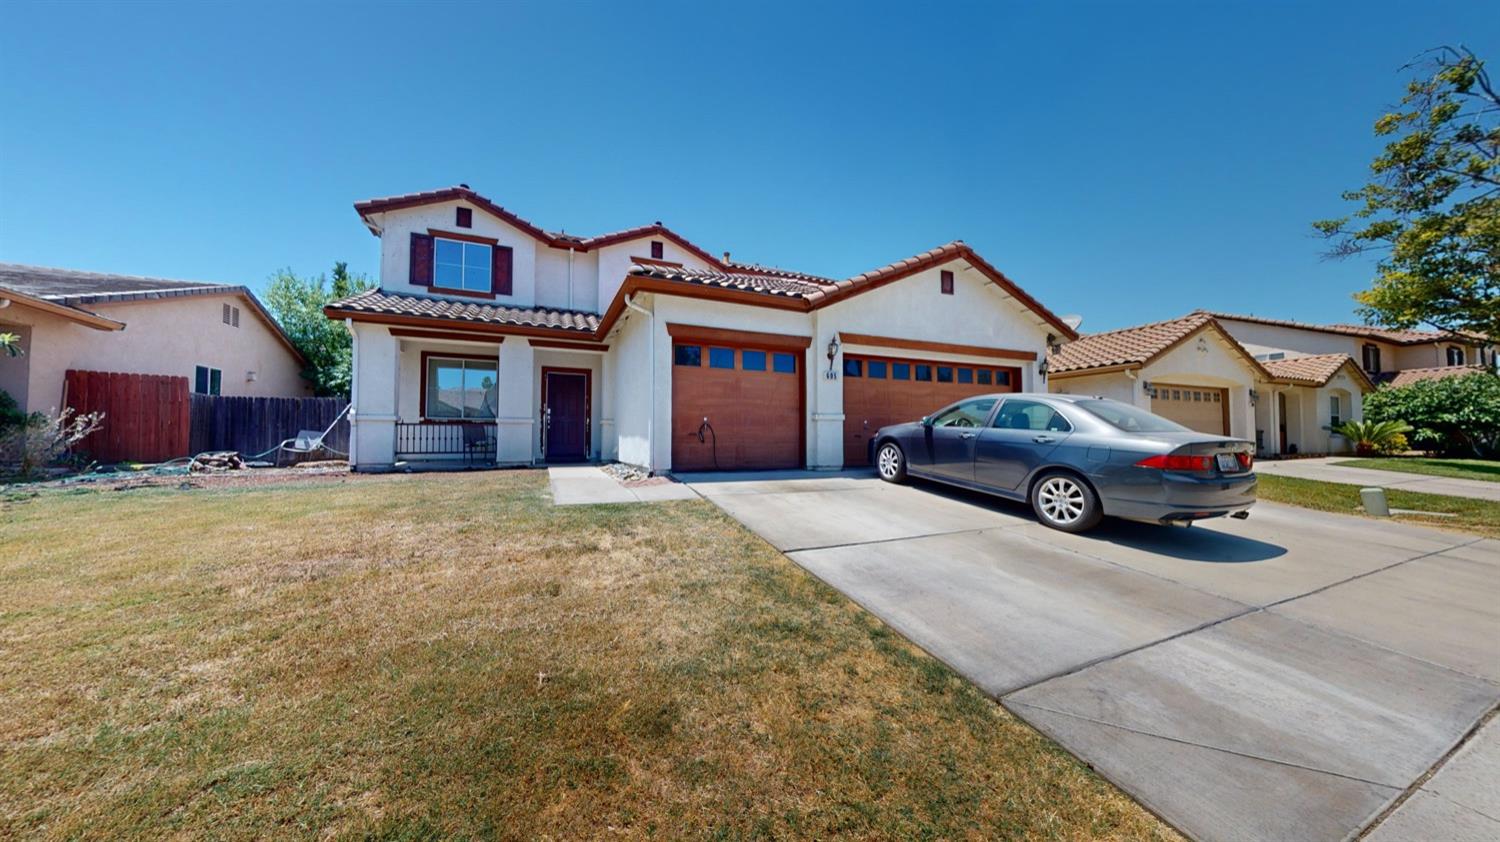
column 1127, row 162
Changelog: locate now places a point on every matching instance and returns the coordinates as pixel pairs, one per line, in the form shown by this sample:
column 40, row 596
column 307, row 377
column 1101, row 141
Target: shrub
column 1395, row 445
column 42, row 439
column 1457, row 415
column 1374, row 437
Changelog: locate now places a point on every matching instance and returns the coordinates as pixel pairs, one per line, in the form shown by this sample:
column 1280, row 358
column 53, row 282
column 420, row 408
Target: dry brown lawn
column 450, row 656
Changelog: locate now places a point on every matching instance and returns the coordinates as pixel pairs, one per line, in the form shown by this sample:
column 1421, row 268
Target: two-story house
column 492, row 338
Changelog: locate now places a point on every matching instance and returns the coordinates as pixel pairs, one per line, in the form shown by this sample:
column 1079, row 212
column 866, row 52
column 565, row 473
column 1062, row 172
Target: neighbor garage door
column 879, row 391
column 1196, row 407
column 751, row 397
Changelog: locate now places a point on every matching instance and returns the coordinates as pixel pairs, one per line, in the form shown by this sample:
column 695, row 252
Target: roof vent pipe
column 726, row 257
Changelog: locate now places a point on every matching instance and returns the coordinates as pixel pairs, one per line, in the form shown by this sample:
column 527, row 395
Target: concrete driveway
column 1286, row 677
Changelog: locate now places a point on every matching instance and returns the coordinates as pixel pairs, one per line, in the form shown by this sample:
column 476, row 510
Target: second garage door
column 1200, row 408
column 879, row 391
column 735, row 407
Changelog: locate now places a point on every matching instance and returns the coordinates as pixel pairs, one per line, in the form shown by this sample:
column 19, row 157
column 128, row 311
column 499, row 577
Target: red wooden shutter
column 657, row 250
column 500, row 276
column 421, row 260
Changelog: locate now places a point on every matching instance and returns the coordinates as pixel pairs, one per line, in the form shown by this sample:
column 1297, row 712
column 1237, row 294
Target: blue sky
column 1124, row 162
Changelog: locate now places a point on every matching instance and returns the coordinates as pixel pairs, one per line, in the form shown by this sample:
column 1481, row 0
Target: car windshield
column 1128, row 418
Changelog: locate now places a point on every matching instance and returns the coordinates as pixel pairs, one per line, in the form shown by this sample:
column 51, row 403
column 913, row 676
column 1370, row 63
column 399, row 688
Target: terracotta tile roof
column 400, row 304
column 1127, row 346
column 1398, row 337
column 765, row 284
column 445, row 194
column 1409, row 376
column 1314, row 370
column 776, row 272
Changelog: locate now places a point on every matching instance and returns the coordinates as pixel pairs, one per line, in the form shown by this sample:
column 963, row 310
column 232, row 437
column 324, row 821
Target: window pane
column 200, row 380
column 215, row 377
column 924, row 372
column 753, row 360
column 966, row 375
column 445, row 386
column 984, row 376
column 1030, row 415
column 449, row 251
column 784, row 363
column 480, row 399
column 970, row 413
column 1002, row 377
column 450, row 276
column 687, row 355
column 476, row 255
column 721, row 358
column 900, row 371
column 853, row 368
column 945, row 374
column 477, row 278
column 875, row 369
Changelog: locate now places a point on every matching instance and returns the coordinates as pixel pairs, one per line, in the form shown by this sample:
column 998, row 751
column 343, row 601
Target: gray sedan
column 1074, row 458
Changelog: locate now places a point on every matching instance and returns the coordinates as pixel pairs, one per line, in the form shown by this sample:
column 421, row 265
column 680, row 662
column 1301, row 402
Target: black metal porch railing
column 474, row 440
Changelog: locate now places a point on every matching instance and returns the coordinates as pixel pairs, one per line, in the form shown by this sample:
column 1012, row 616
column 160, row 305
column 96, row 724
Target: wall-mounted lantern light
column 833, row 352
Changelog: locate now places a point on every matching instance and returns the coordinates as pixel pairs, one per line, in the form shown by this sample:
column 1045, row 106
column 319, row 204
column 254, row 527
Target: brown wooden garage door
column 751, row 396
column 879, row 391
column 1200, row 408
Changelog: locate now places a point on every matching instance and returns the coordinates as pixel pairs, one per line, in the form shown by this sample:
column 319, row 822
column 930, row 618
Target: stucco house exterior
column 218, row 336
column 1194, row 371
column 491, row 338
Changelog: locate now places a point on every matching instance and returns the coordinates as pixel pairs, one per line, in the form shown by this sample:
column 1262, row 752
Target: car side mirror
column 926, row 420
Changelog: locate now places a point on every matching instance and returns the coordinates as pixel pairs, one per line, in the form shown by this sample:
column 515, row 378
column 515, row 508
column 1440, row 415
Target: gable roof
column 1316, row 370
column 554, row 239
column 1396, row 337
column 1128, row 347
column 74, row 290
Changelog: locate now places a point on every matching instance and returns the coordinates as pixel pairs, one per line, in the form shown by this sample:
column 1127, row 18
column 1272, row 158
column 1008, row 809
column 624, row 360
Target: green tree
column 1458, row 415
column 1432, row 208
column 298, row 304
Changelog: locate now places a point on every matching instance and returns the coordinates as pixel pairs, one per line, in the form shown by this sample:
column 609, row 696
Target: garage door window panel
column 945, row 374
column 900, row 371
column 784, row 363
column 688, row 355
column 753, row 360
column 984, row 376
column 721, row 358
column 876, row 369
column 924, row 372
column 853, row 368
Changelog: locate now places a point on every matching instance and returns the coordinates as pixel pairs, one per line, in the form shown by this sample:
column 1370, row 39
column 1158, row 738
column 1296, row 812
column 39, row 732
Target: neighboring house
column 1387, row 356
column 1194, row 371
column 217, row 336
column 489, row 335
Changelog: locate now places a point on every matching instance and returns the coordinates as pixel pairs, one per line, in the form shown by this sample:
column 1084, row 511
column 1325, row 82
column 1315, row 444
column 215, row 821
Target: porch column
column 515, row 423
column 609, row 442
column 825, row 400
column 1273, row 431
column 377, row 360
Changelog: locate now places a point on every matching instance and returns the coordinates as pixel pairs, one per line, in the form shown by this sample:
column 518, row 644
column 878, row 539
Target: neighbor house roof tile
column 1398, row 337
column 1406, row 377
column 1313, row 370
column 1127, row 346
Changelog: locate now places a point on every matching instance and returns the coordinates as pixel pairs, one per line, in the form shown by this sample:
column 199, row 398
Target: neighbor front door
column 567, row 416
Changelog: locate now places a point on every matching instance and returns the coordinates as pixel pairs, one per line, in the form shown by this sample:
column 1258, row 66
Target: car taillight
column 1246, row 459
column 1174, row 462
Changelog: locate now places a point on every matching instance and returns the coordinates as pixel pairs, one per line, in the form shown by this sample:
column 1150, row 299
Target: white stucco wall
column 614, row 262
column 1298, row 342
column 162, row 336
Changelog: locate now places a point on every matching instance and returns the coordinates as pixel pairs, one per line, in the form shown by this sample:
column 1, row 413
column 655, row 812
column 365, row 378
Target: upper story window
column 1455, row 355
column 658, row 251
column 460, row 265
column 1372, row 358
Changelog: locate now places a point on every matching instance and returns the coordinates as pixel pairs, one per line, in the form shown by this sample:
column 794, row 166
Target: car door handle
column 966, row 435
column 1042, row 439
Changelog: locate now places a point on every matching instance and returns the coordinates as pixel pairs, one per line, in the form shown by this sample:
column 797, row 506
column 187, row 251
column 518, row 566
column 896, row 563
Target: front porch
column 439, row 400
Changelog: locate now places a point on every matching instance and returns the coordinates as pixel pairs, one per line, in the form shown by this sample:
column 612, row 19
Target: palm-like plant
column 10, row 345
column 1374, row 437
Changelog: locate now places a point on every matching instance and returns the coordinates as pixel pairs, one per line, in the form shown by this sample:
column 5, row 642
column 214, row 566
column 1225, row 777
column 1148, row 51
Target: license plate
column 1228, row 463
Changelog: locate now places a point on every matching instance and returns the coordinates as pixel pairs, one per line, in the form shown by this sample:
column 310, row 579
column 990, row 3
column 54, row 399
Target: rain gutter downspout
column 650, row 416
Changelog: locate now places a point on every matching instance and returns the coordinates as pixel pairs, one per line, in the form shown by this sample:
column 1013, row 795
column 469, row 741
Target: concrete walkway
column 1291, row 676
column 1327, row 469
column 582, row 485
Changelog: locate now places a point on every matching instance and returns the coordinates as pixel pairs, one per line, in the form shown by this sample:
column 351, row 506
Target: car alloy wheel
column 1061, row 500
column 889, row 463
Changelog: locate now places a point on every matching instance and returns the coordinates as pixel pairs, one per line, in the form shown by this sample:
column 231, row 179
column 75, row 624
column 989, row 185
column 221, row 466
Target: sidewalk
column 581, row 485
column 1326, row 470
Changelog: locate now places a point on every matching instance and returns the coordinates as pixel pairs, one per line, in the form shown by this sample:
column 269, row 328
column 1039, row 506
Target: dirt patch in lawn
column 450, row 655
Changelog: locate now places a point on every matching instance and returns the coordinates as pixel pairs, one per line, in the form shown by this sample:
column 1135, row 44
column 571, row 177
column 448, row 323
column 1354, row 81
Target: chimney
column 726, row 257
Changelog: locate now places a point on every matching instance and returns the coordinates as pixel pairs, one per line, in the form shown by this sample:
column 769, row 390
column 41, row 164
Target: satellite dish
column 1072, row 321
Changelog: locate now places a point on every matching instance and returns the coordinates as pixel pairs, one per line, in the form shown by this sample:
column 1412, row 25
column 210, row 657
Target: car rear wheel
column 1065, row 502
column 890, row 462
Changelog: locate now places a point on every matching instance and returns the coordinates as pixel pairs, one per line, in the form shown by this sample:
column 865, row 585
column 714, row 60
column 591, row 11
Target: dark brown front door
column 567, row 415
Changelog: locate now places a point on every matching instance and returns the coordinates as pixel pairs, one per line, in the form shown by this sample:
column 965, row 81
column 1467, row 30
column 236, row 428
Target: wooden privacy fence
column 146, row 416
column 255, row 425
